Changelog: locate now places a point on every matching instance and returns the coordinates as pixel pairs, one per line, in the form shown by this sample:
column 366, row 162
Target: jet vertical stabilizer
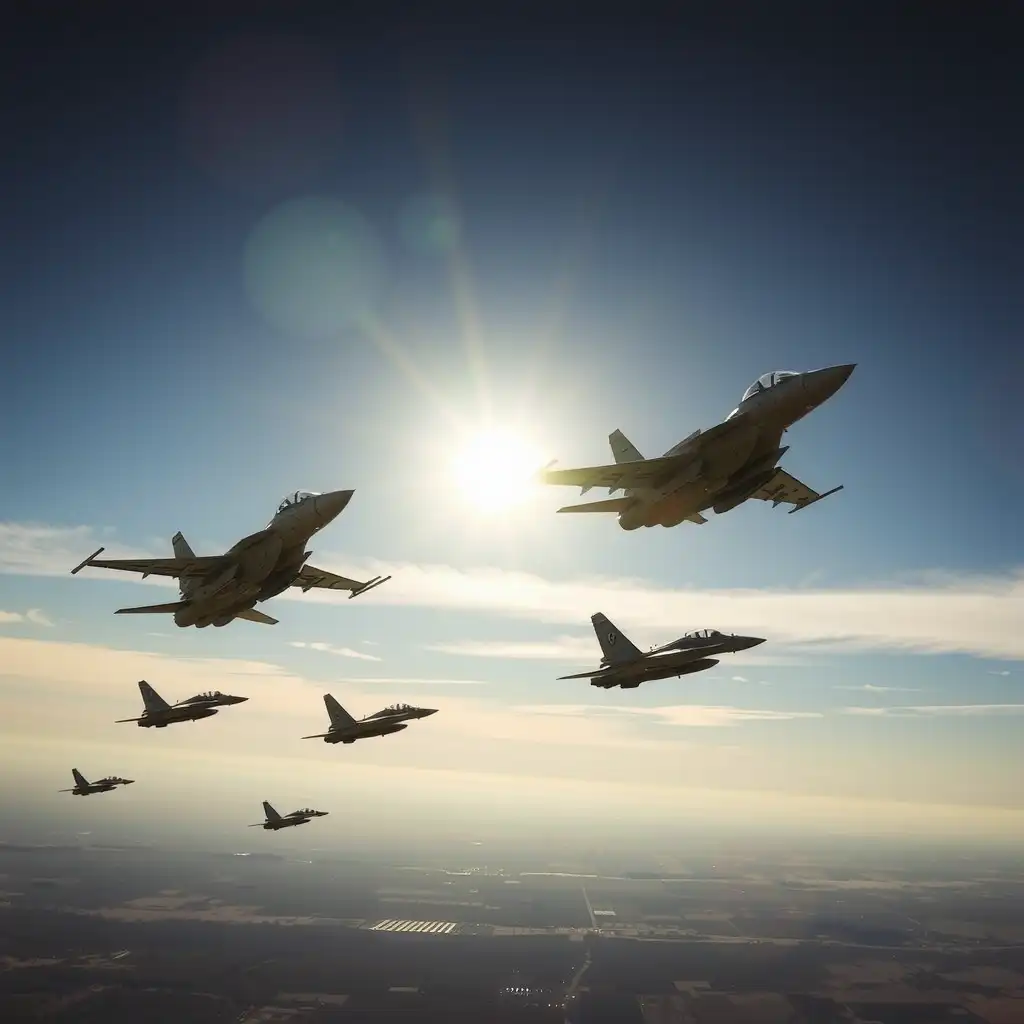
column 622, row 448
column 615, row 647
column 340, row 718
column 182, row 549
column 80, row 779
column 151, row 699
column 269, row 811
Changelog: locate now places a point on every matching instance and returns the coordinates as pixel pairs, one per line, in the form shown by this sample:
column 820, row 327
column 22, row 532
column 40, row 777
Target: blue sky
column 555, row 241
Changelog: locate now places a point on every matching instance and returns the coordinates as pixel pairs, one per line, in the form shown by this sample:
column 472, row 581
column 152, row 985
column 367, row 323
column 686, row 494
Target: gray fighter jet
column 83, row 787
column 159, row 714
column 624, row 664
column 211, row 699
column 346, row 729
column 717, row 469
column 275, row 821
column 217, row 589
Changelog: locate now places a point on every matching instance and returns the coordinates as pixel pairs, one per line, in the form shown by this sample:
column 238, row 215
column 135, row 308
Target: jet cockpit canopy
column 208, row 695
column 295, row 498
column 702, row 634
column 303, row 813
column 766, row 381
column 398, row 707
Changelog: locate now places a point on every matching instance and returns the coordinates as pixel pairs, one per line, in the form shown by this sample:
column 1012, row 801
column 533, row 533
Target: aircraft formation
column 717, row 469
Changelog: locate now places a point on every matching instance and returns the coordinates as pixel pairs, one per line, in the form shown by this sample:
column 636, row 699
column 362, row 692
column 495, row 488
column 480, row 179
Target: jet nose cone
column 427, row 712
column 751, row 641
column 824, row 383
column 239, row 700
column 330, row 505
column 129, row 782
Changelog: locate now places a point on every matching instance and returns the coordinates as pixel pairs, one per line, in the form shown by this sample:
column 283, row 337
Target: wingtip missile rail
column 88, row 561
column 369, row 585
column 798, row 508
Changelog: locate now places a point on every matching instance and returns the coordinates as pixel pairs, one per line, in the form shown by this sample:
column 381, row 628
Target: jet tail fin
column 251, row 615
column 152, row 609
column 338, row 715
column 615, row 646
column 151, row 699
column 622, row 448
column 182, row 549
column 80, row 779
column 608, row 505
column 269, row 811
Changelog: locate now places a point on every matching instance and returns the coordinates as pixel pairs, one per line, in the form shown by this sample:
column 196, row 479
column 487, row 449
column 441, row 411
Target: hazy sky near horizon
column 274, row 254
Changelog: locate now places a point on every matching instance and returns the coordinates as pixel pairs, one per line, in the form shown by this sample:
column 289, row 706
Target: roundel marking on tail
column 612, row 637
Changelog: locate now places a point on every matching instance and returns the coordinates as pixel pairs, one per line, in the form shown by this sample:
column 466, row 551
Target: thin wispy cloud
column 697, row 716
column 938, row 711
column 740, row 679
column 562, row 648
column 344, row 652
column 33, row 617
column 413, row 681
column 940, row 614
column 872, row 688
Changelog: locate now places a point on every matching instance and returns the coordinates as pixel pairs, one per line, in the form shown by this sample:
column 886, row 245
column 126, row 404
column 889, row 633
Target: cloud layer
column 938, row 711
column 34, row 617
column 940, row 614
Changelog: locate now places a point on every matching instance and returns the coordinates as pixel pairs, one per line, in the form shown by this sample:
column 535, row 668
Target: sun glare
column 495, row 469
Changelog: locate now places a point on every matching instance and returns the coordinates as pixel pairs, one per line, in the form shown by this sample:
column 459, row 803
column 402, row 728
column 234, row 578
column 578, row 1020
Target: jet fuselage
column 364, row 730
column 263, row 564
column 736, row 457
column 186, row 713
column 631, row 675
column 381, row 723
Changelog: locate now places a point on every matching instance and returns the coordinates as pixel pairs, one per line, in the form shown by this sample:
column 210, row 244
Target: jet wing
column 197, row 565
column 310, row 576
column 784, row 489
column 645, row 472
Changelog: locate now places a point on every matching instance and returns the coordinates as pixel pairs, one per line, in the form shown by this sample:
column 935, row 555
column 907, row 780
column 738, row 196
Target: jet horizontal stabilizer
column 251, row 615
column 152, row 609
column 608, row 505
column 797, row 508
column 318, row 736
column 369, row 585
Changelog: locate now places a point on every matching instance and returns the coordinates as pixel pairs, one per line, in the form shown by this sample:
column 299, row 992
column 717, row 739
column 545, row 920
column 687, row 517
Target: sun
column 495, row 468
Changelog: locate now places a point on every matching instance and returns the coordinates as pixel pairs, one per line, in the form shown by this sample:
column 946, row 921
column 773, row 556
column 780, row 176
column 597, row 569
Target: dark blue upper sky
column 726, row 191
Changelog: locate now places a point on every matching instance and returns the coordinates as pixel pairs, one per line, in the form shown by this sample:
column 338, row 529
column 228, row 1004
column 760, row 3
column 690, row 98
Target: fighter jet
column 211, row 699
column 345, row 729
column 83, row 787
column 275, row 821
column 717, row 469
column 217, row 589
column 159, row 714
column 623, row 664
